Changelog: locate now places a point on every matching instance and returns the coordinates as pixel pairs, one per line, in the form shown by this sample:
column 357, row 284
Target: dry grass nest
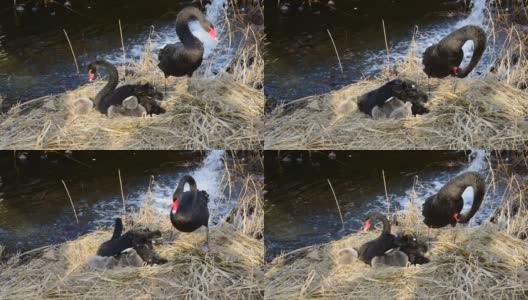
column 487, row 113
column 233, row 268
column 222, row 112
column 218, row 113
column 483, row 263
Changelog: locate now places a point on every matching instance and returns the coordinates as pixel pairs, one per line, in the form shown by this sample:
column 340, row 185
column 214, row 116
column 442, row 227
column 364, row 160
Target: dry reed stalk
column 71, row 48
column 335, row 48
column 71, row 201
column 386, row 43
column 122, row 46
column 337, row 204
column 386, row 194
column 122, row 195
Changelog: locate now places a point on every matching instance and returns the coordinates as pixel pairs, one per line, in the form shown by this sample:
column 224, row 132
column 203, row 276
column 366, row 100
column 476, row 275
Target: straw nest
column 221, row 112
column 233, row 268
column 486, row 262
column 486, row 112
column 202, row 113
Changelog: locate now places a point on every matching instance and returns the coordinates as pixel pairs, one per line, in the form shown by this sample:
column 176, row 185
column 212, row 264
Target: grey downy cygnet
column 402, row 112
column 82, row 106
column 130, row 258
column 127, row 258
column 346, row 256
column 393, row 108
column 392, row 258
column 130, row 108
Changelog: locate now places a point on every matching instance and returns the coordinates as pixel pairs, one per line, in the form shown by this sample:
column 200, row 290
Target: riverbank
column 220, row 112
column 486, row 112
column 488, row 261
column 232, row 269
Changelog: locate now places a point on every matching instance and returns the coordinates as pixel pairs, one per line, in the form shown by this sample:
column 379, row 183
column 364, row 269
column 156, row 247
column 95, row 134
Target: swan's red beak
column 456, row 217
column 455, row 70
column 91, row 75
column 175, row 206
column 367, row 225
column 212, row 33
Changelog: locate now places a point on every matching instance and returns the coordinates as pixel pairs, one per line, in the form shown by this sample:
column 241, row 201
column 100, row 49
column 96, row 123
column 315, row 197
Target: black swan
column 385, row 242
column 404, row 90
column 131, row 239
column 444, row 59
column 189, row 209
column 444, row 207
column 184, row 57
column 413, row 248
column 109, row 95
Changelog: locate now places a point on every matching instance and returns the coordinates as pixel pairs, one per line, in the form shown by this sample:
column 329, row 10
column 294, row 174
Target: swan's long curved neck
column 454, row 189
column 118, row 229
column 456, row 40
column 182, row 27
column 384, row 220
column 112, row 81
column 181, row 185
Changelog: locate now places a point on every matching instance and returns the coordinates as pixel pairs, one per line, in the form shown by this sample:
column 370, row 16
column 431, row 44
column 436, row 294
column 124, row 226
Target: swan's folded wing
column 169, row 51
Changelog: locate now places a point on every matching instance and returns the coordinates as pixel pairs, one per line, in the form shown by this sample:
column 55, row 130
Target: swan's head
column 190, row 15
column 92, row 69
column 368, row 224
column 435, row 217
column 210, row 29
column 148, row 90
column 144, row 237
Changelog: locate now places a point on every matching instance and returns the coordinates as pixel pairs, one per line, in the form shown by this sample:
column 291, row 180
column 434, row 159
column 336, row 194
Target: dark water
column 36, row 60
column 300, row 209
column 300, row 57
column 35, row 209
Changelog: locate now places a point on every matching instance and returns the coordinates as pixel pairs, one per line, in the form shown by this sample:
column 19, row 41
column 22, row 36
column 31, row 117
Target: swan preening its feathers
column 444, row 59
column 184, row 57
column 439, row 60
column 439, row 210
column 189, row 209
column 134, row 248
column 378, row 101
column 445, row 207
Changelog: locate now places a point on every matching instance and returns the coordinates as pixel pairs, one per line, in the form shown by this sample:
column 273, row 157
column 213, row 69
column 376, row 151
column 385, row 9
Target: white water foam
column 216, row 56
column 208, row 176
column 432, row 35
column 477, row 162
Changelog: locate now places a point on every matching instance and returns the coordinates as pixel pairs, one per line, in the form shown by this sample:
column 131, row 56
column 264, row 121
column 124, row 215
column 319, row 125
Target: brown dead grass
column 486, row 262
column 483, row 113
column 223, row 112
column 233, row 269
